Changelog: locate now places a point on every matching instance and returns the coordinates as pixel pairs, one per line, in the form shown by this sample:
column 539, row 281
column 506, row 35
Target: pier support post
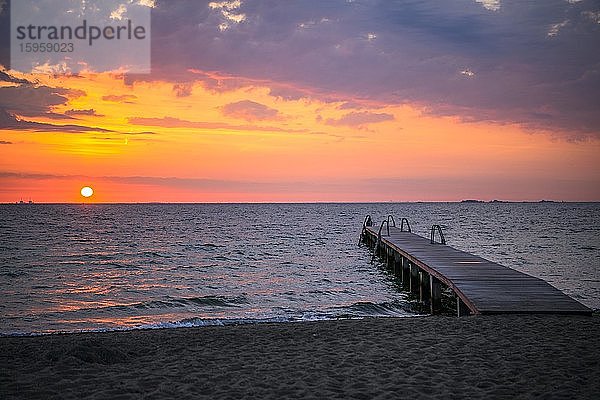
column 423, row 286
column 397, row 261
column 387, row 257
column 406, row 274
column 435, row 289
column 402, row 273
column 414, row 278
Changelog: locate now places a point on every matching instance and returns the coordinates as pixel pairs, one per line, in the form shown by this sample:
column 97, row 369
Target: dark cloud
column 288, row 93
column 9, row 122
column 182, row 89
column 88, row 112
column 360, row 118
column 33, row 101
column 5, row 142
column 520, row 63
column 250, row 111
column 350, row 105
column 5, row 77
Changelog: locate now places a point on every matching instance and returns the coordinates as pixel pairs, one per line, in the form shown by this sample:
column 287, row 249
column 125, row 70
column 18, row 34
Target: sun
column 87, row 191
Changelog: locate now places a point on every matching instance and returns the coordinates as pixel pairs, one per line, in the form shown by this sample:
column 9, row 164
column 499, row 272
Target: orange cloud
column 201, row 153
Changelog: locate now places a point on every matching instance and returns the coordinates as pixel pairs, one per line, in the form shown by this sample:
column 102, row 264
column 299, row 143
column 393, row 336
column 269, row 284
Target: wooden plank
column 484, row 286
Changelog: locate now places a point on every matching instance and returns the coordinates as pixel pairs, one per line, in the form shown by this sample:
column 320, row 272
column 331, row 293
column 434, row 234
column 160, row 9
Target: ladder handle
column 368, row 221
column 391, row 218
column 379, row 237
column 381, row 227
column 402, row 225
column 437, row 228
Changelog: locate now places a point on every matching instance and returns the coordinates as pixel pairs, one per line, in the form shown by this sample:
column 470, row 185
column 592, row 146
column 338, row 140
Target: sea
column 102, row 267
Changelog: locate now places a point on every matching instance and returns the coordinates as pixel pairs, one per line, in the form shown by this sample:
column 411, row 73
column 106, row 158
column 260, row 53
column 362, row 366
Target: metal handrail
column 367, row 222
column 387, row 224
column 432, row 236
column 391, row 218
column 376, row 249
column 402, row 225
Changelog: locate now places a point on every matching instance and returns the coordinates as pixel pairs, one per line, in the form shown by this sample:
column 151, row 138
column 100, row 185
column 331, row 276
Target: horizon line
column 468, row 201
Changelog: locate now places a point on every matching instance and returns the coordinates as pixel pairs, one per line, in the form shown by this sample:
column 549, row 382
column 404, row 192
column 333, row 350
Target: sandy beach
column 514, row 356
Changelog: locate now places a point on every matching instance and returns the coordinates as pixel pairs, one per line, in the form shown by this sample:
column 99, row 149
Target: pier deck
column 481, row 286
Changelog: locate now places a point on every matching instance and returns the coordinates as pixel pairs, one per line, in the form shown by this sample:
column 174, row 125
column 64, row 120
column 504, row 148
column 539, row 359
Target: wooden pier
column 425, row 266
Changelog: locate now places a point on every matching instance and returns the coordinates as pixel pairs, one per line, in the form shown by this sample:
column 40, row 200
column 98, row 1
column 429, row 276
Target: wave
column 166, row 303
column 204, row 322
column 206, row 301
column 13, row 274
column 369, row 309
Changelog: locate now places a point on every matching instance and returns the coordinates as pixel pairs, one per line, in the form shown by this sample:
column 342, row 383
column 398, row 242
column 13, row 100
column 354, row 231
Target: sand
column 546, row 357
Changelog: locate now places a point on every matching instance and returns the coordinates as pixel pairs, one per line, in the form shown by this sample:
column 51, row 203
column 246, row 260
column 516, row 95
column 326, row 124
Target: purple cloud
column 403, row 51
column 6, row 77
column 250, row 111
column 360, row 118
column 10, row 122
column 88, row 112
column 182, row 89
column 31, row 101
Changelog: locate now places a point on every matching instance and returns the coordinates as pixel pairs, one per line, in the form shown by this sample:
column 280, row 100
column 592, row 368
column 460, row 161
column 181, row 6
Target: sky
column 303, row 101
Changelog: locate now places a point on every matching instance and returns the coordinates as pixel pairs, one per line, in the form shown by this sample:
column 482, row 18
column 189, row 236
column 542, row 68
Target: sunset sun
column 87, row 191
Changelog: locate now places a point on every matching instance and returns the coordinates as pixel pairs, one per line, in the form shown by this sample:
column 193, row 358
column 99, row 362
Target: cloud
column 5, row 142
column 170, row 122
column 9, row 122
column 88, row 112
column 118, row 13
column 287, row 93
column 31, row 101
column 593, row 16
column 419, row 47
column 492, row 5
column 125, row 98
column 6, row 77
column 250, row 111
column 173, row 182
column 183, row 89
column 555, row 28
column 147, row 3
column 229, row 11
column 350, row 105
column 360, row 119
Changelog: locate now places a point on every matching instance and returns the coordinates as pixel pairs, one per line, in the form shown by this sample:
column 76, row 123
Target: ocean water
column 69, row 268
